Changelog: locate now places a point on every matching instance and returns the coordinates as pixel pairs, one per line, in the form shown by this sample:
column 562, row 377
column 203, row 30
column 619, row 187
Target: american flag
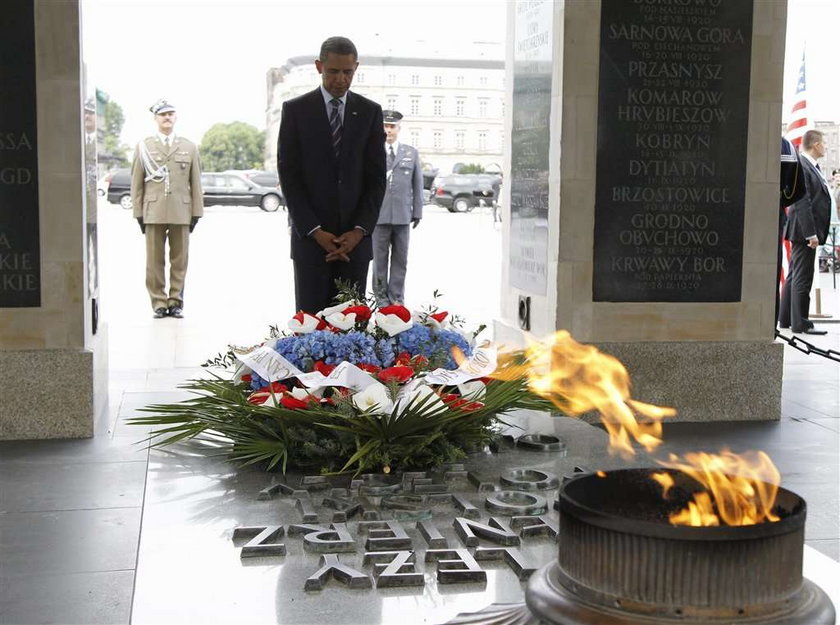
column 799, row 114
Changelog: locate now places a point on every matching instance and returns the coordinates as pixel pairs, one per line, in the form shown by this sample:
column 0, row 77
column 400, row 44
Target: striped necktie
column 335, row 126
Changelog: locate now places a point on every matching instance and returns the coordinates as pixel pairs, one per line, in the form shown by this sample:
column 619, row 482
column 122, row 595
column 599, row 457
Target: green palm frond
column 333, row 438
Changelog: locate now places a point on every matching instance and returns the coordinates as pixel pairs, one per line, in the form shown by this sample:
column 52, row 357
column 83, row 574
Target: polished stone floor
column 103, row 531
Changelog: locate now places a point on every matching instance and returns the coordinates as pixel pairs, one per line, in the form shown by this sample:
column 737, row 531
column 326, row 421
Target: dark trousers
column 315, row 286
column 779, row 245
column 796, row 299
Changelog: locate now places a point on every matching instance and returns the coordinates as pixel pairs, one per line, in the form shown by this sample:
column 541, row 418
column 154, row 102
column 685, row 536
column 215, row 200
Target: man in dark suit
column 332, row 171
column 806, row 228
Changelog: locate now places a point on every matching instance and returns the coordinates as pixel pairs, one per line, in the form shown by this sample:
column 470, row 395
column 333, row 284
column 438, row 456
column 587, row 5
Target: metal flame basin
column 620, row 561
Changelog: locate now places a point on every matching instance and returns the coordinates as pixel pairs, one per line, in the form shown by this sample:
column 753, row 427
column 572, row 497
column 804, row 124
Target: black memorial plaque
column 672, row 143
column 20, row 256
column 530, row 141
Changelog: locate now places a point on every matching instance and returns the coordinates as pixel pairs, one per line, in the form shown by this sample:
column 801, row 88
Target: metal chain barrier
column 807, row 348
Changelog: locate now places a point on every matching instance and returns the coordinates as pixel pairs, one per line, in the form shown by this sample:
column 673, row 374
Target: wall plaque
column 672, row 141
column 20, row 255
column 530, row 141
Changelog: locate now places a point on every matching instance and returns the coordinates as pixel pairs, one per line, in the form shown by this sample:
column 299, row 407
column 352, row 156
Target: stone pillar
column 53, row 365
column 642, row 178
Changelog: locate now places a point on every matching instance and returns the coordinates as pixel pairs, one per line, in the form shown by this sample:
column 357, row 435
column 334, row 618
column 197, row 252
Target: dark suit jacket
column 337, row 194
column 811, row 214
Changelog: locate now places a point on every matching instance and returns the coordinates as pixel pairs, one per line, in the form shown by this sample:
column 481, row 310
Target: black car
column 223, row 189
column 118, row 184
column 460, row 193
column 219, row 189
column 257, row 176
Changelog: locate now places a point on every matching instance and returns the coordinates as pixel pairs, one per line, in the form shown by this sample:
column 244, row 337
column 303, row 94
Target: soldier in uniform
column 401, row 206
column 167, row 199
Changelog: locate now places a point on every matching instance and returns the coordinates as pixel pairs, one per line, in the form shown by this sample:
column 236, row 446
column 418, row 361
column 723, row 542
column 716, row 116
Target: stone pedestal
column 642, row 180
column 53, row 367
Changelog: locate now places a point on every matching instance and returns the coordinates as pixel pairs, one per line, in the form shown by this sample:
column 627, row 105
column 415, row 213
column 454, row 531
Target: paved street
column 240, row 280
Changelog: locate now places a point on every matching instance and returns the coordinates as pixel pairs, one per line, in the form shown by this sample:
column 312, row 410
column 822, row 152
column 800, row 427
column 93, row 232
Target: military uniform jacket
column 184, row 199
column 403, row 199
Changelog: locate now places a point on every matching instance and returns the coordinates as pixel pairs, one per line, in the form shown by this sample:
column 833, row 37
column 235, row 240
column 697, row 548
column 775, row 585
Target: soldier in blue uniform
column 402, row 206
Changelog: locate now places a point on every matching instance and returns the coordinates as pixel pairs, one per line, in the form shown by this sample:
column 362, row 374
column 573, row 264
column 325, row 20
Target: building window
column 415, row 105
column 482, row 107
column 392, row 78
column 360, row 77
column 391, row 102
column 415, row 137
column 483, row 81
column 415, row 79
column 460, row 81
column 459, row 107
column 438, row 81
column 437, row 139
column 459, row 140
column 438, row 107
column 482, row 140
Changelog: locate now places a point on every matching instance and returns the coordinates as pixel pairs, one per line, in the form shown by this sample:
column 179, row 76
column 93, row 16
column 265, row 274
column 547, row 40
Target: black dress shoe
column 781, row 327
column 176, row 311
column 160, row 313
column 811, row 331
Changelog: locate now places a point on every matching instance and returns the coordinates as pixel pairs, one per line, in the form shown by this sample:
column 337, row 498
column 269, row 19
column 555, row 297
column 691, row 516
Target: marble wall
column 743, row 329
column 50, row 351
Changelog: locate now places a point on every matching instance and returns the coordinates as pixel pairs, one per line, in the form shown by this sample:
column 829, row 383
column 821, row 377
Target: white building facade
column 453, row 109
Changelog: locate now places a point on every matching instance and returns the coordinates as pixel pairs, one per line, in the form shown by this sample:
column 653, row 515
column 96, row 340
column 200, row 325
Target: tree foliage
column 236, row 145
column 471, row 168
column 112, row 124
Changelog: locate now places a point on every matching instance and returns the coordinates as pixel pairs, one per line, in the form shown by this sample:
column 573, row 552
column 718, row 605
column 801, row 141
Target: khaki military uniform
column 167, row 208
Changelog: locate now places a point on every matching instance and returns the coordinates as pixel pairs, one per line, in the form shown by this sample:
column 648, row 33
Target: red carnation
column 293, row 403
column 366, row 366
column 400, row 311
column 403, row 358
column 277, row 387
column 397, row 374
column 362, row 312
column 323, row 367
column 420, row 360
column 246, row 377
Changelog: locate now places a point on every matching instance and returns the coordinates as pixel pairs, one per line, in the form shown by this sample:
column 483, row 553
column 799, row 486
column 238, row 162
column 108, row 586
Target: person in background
column 332, row 171
column 402, row 205
column 806, row 228
column 791, row 188
column 167, row 198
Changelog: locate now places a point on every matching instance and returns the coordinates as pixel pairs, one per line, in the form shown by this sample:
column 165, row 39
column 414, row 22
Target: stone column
column 53, row 367
column 642, row 177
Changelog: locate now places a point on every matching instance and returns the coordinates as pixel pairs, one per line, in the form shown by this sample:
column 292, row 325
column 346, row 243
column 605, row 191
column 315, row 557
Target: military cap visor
column 391, row 117
column 161, row 106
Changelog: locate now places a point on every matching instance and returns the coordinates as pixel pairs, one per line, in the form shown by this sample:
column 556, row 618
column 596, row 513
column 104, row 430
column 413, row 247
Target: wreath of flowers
column 352, row 388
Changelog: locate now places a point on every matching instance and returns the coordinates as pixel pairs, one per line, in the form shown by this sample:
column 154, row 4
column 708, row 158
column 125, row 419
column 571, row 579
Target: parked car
column 219, row 189
column 460, row 193
column 258, row 176
column 223, row 189
column 118, row 187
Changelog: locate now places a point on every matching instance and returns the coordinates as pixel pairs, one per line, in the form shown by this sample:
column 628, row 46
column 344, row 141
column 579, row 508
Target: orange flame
column 579, row 379
column 740, row 489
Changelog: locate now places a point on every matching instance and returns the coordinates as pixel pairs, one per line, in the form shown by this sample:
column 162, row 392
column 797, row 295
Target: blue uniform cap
column 391, row 117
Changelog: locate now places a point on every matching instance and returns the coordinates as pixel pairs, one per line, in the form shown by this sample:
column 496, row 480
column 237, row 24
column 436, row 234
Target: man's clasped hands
column 338, row 247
